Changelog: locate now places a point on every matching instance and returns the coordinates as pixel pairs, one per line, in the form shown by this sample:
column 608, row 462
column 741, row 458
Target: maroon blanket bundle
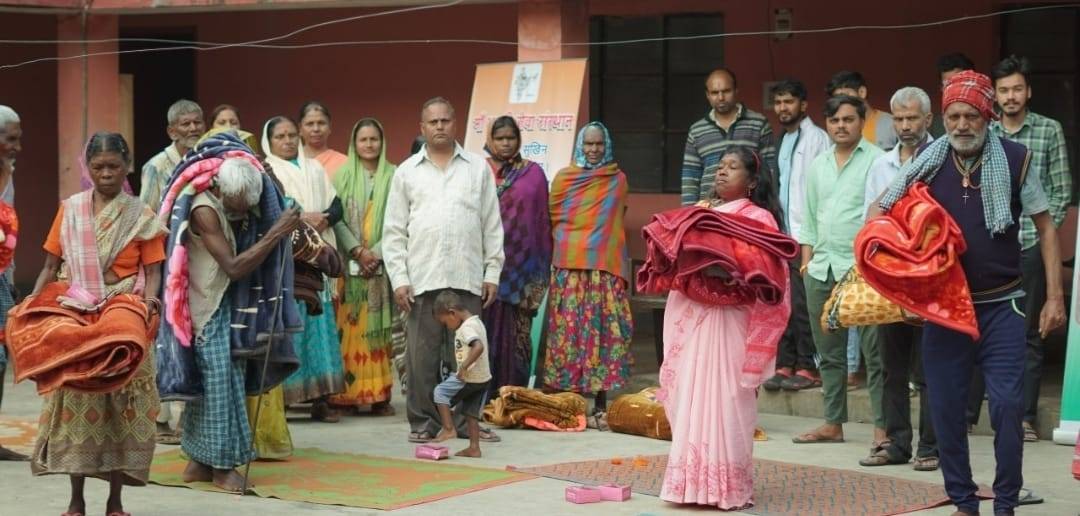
column 685, row 246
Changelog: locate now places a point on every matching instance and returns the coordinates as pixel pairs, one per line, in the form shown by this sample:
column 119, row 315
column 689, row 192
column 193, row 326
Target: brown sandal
column 815, row 438
column 927, row 463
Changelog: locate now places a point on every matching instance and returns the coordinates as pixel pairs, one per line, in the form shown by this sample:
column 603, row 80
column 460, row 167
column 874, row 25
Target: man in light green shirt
column 835, row 187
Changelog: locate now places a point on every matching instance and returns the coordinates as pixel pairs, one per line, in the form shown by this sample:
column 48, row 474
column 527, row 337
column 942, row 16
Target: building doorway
column 157, row 79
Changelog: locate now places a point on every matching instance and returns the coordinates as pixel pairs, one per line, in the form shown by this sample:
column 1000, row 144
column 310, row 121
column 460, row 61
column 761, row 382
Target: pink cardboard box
column 583, row 494
column 614, row 493
column 432, row 452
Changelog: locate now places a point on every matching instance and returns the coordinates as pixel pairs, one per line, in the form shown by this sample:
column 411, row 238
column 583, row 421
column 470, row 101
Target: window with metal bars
column 649, row 93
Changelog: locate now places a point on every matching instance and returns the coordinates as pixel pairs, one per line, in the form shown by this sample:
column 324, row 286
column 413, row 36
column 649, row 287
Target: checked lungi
column 216, row 430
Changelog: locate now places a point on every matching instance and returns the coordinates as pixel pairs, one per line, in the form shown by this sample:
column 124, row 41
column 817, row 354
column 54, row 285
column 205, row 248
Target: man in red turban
column 982, row 182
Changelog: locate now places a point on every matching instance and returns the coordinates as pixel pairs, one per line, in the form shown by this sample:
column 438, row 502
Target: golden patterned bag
column 854, row 302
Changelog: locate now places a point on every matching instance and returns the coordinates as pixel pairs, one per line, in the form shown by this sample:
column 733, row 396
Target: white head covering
column 306, row 181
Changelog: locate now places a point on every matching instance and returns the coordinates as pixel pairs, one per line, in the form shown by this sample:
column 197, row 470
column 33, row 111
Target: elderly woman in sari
column 303, row 179
column 106, row 242
column 716, row 355
column 365, row 316
column 523, row 200
column 589, row 329
column 315, row 136
column 10, row 146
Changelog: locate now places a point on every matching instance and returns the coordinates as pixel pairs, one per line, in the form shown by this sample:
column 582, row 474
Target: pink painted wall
column 387, row 82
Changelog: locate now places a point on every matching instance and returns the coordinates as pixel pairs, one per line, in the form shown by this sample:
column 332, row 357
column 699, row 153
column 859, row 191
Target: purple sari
column 523, row 201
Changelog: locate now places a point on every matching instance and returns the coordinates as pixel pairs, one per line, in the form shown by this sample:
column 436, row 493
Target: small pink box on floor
column 432, row 452
column 614, row 493
column 583, row 494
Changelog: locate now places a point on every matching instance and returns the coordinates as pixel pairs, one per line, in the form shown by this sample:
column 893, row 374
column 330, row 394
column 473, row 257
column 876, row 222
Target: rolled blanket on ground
column 685, row 244
column 59, row 347
column 912, row 257
column 521, row 407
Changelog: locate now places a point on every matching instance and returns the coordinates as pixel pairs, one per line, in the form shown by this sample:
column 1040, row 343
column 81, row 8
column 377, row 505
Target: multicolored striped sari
column 587, row 210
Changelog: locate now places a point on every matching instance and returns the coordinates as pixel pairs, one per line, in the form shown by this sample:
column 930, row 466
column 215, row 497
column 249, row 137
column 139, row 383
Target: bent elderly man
column 982, row 181
column 217, row 435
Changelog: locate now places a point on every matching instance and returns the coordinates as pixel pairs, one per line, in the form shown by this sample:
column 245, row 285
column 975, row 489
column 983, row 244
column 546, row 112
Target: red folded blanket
column 685, row 245
column 682, row 243
column 58, row 347
column 912, row 257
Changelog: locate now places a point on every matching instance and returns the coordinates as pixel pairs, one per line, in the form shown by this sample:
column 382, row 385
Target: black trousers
column 901, row 359
column 1034, row 274
column 1034, row 283
column 796, row 348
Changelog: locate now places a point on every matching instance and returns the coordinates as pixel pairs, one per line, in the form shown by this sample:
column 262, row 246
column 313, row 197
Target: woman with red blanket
column 715, row 357
column 104, row 243
column 589, row 328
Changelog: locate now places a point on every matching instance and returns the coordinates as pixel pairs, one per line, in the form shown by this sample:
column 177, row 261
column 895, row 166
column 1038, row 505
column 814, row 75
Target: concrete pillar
column 87, row 91
column 544, row 25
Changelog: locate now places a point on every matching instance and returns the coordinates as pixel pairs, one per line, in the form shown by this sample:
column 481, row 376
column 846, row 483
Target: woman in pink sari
column 715, row 357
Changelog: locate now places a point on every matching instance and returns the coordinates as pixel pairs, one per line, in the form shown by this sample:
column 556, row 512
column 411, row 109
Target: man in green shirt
column 835, row 187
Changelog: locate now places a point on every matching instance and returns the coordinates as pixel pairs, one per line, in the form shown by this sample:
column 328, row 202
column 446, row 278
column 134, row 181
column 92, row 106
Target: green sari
column 364, row 317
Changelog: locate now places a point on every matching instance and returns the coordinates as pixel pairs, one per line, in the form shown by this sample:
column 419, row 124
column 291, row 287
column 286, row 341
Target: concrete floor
column 1046, row 469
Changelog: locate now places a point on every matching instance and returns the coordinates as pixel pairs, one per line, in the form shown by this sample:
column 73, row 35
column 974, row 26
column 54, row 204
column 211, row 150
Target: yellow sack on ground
column 639, row 414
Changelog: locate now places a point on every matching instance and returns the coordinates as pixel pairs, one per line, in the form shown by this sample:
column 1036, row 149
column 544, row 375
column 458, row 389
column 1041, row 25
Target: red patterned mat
column 780, row 488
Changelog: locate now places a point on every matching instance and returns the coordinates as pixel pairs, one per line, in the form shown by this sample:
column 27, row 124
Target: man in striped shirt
column 1046, row 141
column 728, row 124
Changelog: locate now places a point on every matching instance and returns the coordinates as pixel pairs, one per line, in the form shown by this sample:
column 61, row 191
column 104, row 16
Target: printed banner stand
column 543, row 98
column 1069, row 427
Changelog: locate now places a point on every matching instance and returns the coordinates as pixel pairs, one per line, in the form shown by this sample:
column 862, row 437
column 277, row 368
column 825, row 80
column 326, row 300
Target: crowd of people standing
column 389, row 261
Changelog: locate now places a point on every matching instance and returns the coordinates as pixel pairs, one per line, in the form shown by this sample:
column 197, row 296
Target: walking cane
column 266, row 364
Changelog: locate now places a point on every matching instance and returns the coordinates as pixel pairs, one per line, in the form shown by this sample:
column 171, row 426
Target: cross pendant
column 965, row 197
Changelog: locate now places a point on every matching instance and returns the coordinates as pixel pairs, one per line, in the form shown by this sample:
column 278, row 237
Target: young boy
column 469, row 385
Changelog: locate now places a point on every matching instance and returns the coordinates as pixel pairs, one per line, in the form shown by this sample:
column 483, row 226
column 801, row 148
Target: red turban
column 970, row 87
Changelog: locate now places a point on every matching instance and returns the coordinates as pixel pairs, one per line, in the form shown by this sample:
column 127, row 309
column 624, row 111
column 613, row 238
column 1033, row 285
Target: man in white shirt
column 442, row 230
column 800, row 143
column 900, row 349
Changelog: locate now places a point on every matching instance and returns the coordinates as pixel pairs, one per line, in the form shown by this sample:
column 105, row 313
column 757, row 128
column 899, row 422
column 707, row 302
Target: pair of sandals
column 166, row 435
column 486, row 436
column 880, row 456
